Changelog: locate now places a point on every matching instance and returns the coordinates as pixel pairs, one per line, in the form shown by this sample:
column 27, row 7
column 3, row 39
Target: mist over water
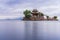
column 29, row 30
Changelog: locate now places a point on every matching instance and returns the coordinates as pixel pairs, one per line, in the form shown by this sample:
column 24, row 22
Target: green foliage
column 42, row 14
column 55, row 17
column 27, row 13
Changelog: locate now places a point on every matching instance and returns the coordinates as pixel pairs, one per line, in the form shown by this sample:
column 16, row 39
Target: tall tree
column 27, row 13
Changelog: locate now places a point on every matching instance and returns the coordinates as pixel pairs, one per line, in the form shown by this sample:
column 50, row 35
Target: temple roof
column 35, row 10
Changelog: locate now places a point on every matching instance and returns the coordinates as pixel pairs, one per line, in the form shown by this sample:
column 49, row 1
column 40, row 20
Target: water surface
column 29, row 30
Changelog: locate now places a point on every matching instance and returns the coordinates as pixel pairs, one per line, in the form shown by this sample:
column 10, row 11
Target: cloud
column 16, row 7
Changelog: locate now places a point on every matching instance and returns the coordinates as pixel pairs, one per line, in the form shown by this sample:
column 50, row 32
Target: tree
column 55, row 17
column 47, row 17
column 27, row 13
column 41, row 14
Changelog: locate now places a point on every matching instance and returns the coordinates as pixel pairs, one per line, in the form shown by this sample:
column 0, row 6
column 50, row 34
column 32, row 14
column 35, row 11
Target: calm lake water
column 29, row 30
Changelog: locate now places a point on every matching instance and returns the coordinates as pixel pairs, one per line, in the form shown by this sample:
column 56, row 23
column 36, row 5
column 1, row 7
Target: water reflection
column 29, row 30
column 42, row 30
column 34, row 30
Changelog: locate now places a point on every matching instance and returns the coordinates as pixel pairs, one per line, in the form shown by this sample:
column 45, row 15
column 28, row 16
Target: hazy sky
column 15, row 8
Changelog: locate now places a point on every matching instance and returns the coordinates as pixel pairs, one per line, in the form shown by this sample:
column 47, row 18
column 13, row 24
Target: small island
column 35, row 15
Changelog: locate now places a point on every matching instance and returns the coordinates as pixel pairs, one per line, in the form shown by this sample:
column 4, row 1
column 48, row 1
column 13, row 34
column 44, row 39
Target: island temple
column 35, row 15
